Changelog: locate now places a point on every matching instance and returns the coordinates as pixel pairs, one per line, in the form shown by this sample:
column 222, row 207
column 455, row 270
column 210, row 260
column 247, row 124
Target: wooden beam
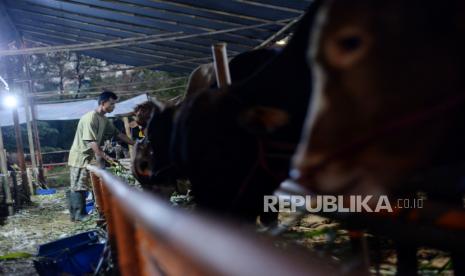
column 128, row 133
column 40, row 162
column 19, row 141
column 35, row 131
column 30, row 136
column 21, row 160
column 4, row 178
column 220, row 60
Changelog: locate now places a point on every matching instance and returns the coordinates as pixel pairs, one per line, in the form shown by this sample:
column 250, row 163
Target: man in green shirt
column 92, row 130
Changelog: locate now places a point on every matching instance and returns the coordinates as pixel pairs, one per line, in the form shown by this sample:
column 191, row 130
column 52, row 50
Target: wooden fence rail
column 153, row 238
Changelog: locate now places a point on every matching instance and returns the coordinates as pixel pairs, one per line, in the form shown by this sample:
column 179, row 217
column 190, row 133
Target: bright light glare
column 10, row 101
column 282, row 42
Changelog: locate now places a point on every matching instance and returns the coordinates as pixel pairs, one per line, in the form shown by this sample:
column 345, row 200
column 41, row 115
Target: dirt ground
column 46, row 220
column 327, row 238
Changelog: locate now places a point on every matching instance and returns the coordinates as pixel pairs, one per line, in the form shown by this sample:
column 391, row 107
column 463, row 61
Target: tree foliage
column 70, row 76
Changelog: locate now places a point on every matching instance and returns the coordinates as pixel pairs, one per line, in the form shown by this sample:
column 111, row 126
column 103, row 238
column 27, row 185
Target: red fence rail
column 154, row 238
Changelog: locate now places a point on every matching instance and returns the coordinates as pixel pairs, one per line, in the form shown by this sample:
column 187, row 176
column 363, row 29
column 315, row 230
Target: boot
column 78, row 206
column 70, row 205
column 81, row 214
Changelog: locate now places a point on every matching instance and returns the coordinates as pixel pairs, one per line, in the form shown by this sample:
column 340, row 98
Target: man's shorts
column 80, row 179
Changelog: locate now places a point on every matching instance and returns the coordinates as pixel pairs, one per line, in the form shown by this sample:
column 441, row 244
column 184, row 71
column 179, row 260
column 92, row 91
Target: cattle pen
column 147, row 236
column 322, row 137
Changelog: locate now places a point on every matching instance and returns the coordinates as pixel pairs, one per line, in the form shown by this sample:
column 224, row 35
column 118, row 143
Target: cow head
column 152, row 165
column 384, row 107
column 143, row 112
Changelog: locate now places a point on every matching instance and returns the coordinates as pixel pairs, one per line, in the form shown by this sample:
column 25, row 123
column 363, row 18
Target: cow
column 153, row 165
column 203, row 77
column 142, row 114
column 387, row 112
column 235, row 143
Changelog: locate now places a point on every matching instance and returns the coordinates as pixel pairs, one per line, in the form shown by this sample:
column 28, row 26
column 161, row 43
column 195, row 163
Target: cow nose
column 141, row 164
column 143, row 169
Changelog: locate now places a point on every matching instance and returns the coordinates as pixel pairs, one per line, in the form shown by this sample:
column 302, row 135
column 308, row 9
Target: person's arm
column 112, row 131
column 125, row 139
column 99, row 154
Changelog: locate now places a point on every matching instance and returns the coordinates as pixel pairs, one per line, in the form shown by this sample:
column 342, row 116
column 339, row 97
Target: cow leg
column 377, row 257
column 458, row 255
column 457, row 261
column 360, row 251
column 454, row 199
column 269, row 219
column 406, row 259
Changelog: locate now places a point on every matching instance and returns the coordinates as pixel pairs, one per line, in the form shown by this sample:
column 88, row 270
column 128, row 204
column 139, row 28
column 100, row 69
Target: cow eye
column 350, row 43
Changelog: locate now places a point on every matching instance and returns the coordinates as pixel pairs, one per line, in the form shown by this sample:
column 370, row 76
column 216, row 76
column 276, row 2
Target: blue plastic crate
column 75, row 255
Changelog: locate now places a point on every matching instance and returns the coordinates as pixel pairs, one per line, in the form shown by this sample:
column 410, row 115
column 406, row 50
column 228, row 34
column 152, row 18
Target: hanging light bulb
column 10, row 101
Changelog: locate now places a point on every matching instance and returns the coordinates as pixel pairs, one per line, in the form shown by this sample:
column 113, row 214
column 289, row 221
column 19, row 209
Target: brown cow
column 388, row 103
column 203, row 77
column 143, row 111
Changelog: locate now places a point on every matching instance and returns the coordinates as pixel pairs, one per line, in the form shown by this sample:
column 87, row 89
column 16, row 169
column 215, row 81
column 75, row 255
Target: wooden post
column 220, row 60
column 27, row 110
column 4, row 171
column 96, row 187
column 40, row 162
column 21, row 159
column 128, row 133
column 128, row 258
column 109, row 217
column 35, row 130
column 29, row 132
column 19, row 141
column 29, row 172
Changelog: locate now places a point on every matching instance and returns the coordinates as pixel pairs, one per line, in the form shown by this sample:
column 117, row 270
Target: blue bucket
column 45, row 191
column 75, row 255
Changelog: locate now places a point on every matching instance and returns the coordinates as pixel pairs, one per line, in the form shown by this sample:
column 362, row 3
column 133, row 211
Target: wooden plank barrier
column 153, row 238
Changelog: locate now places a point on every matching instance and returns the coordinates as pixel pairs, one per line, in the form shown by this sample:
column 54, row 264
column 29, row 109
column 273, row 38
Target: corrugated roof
column 67, row 22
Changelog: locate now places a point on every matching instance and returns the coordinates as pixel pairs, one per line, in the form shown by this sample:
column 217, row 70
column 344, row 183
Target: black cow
column 235, row 143
column 152, row 164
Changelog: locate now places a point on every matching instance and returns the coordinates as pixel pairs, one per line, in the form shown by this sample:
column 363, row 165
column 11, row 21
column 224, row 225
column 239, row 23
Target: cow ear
column 262, row 119
column 346, row 46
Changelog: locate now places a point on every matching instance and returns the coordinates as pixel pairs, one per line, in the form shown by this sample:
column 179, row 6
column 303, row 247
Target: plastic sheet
column 69, row 110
